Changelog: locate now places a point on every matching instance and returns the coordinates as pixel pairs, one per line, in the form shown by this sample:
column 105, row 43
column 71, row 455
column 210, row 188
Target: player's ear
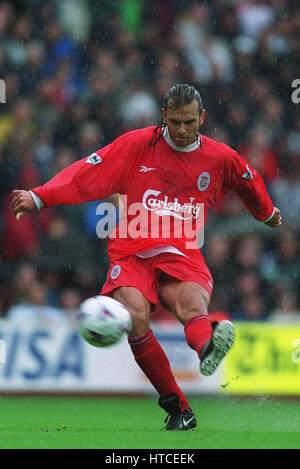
column 202, row 116
column 164, row 115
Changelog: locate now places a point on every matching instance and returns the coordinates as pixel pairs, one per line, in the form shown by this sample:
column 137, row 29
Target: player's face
column 183, row 123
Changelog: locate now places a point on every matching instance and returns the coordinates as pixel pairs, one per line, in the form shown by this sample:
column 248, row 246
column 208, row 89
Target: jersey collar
column 193, row 146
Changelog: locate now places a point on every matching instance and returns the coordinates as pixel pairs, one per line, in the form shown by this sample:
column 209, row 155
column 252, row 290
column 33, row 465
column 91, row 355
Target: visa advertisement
column 36, row 358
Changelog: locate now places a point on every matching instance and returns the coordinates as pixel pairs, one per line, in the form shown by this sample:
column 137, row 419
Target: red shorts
column 145, row 273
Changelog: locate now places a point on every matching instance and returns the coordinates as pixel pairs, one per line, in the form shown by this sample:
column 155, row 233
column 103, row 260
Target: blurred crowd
column 78, row 73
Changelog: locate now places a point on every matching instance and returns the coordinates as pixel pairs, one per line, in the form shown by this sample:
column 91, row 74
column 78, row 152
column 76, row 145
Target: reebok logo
column 144, row 169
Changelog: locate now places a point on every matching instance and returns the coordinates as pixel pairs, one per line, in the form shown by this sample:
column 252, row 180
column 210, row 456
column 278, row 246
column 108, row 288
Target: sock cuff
column 194, row 319
column 140, row 339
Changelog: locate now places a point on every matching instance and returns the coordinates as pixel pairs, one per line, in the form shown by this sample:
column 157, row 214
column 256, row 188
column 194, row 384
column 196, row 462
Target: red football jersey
column 161, row 182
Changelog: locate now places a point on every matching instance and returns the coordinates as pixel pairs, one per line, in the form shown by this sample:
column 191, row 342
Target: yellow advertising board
column 265, row 358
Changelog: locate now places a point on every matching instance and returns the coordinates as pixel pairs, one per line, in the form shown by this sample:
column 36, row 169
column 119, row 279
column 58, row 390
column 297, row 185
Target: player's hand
column 22, row 203
column 275, row 221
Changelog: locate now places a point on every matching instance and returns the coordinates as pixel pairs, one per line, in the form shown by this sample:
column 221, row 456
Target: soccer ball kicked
column 103, row 321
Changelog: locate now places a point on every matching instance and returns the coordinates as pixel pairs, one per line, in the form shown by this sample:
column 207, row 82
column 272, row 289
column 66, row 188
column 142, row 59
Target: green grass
column 118, row 423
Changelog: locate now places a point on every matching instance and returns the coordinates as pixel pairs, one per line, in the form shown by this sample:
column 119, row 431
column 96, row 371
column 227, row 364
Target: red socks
column 198, row 331
column 154, row 363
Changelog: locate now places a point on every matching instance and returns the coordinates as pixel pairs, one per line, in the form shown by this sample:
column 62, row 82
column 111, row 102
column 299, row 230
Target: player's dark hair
column 180, row 95
column 177, row 96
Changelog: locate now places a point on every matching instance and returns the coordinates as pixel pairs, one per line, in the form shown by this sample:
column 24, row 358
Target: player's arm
column 249, row 186
column 96, row 177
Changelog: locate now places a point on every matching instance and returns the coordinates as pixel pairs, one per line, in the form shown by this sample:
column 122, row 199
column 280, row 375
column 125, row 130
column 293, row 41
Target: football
column 103, row 321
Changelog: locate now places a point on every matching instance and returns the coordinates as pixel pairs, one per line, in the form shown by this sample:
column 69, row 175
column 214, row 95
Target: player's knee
column 140, row 323
column 137, row 305
column 193, row 300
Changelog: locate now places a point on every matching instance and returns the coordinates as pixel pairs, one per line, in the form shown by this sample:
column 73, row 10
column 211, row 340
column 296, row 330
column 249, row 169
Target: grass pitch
column 135, row 423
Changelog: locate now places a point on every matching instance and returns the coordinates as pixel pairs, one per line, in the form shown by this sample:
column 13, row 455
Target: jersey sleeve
column 249, row 186
column 103, row 173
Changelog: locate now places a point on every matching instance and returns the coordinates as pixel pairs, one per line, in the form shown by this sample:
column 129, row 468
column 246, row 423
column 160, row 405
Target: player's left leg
column 189, row 301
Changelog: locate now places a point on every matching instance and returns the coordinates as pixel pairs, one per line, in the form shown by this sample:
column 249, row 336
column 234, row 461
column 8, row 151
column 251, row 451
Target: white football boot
column 215, row 350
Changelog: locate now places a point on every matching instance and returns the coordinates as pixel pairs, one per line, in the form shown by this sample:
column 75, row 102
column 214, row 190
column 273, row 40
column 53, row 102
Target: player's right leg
column 131, row 281
column 138, row 306
column 153, row 361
